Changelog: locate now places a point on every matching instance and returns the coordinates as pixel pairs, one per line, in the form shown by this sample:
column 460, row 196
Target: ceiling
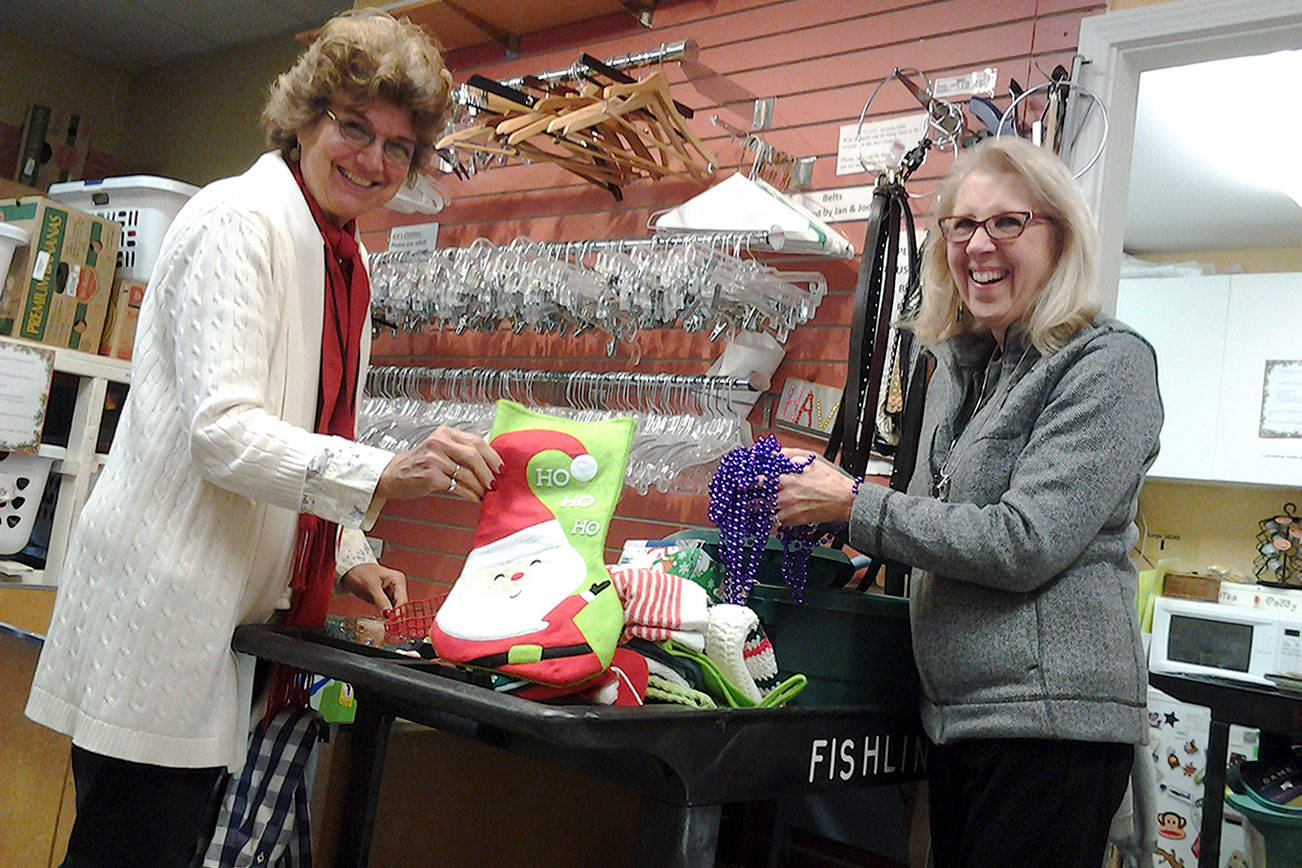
column 133, row 35
column 1179, row 199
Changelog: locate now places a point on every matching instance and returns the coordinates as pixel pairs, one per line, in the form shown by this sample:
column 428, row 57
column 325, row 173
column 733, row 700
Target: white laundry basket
column 11, row 238
column 22, row 482
column 143, row 204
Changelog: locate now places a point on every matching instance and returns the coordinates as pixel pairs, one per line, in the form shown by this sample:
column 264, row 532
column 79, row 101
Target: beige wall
column 1258, row 261
column 33, row 74
column 198, row 121
column 1216, row 524
column 194, row 121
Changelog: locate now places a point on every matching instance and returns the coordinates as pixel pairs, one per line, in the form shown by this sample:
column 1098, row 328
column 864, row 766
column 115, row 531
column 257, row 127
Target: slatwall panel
column 821, row 60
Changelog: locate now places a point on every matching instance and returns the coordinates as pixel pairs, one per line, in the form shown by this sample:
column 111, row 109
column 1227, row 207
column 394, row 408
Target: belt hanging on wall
column 856, row 430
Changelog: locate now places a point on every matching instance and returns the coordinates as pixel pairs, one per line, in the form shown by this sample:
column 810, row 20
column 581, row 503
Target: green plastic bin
column 854, row 647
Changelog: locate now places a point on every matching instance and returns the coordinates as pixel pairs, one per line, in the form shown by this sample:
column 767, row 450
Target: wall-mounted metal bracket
column 642, row 11
column 802, row 174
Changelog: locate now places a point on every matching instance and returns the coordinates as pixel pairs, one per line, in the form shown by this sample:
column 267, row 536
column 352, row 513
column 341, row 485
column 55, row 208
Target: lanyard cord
column 940, row 480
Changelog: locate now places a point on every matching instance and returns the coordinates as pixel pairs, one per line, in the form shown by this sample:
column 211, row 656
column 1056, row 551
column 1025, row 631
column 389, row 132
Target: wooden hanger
column 508, row 99
column 620, row 77
column 482, row 137
column 526, row 124
column 652, row 95
column 586, row 169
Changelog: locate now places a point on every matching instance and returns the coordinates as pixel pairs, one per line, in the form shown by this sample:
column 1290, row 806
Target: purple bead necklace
column 743, row 494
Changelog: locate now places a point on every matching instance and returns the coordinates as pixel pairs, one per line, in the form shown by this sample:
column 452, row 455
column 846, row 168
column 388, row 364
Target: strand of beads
column 743, row 494
column 799, row 541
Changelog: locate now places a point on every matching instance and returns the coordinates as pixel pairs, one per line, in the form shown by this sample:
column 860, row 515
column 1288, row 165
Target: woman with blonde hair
column 1041, row 419
column 234, row 492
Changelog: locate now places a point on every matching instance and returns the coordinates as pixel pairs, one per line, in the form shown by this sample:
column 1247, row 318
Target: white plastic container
column 143, row 204
column 11, row 238
column 22, row 482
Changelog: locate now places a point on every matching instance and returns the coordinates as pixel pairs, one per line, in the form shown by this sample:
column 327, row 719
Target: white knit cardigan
column 189, row 530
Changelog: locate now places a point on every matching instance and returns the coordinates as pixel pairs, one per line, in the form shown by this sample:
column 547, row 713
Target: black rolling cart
column 684, row 764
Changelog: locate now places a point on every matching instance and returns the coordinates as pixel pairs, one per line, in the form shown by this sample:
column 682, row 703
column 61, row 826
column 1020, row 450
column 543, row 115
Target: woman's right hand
column 821, row 492
column 448, row 461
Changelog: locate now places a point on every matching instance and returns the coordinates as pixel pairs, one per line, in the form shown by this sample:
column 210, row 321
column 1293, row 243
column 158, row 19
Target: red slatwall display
column 821, row 60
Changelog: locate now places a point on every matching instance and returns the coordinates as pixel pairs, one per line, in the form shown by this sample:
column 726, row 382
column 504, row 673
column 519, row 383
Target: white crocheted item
column 725, row 644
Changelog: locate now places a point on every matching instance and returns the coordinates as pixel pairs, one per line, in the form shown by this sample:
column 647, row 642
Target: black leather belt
column 855, row 429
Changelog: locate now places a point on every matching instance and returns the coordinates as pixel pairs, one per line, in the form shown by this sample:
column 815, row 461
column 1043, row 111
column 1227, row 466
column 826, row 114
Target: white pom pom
column 583, row 468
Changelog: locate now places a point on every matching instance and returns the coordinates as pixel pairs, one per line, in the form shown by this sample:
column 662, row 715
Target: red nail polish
column 492, row 486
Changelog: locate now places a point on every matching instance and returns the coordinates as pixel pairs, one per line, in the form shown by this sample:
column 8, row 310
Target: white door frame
column 1118, row 46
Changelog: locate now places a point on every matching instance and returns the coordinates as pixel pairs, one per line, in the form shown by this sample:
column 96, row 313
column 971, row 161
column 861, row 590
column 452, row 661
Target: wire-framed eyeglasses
column 1004, row 226
column 398, row 152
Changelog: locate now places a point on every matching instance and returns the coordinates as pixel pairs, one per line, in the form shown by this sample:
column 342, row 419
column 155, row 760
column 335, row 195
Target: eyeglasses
column 1000, row 227
column 399, row 152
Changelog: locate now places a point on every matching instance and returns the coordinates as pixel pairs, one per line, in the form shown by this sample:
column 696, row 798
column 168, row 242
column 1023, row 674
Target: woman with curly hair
column 234, row 492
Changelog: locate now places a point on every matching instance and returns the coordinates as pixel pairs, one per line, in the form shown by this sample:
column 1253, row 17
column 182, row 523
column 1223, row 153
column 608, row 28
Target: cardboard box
column 1192, row 586
column 123, row 313
column 58, row 289
column 54, row 146
column 14, row 190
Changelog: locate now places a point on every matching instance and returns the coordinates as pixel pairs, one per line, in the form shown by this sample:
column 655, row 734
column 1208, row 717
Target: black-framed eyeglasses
column 399, row 152
column 1004, row 226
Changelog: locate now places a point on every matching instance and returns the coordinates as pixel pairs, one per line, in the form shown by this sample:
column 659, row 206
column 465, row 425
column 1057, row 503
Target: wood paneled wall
column 821, row 60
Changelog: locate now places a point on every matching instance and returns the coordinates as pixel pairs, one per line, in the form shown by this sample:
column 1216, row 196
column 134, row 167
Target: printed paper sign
column 25, row 373
column 417, row 238
column 981, row 83
column 1281, row 399
column 839, row 205
column 879, row 144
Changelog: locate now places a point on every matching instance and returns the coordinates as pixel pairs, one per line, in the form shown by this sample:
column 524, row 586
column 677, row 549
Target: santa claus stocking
column 534, row 599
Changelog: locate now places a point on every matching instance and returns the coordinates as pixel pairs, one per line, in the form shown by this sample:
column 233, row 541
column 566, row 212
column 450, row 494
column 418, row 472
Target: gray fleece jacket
column 1022, row 600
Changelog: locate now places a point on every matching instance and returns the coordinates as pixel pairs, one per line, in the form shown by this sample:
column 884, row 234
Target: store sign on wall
column 25, row 374
column 808, row 407
column 980, row 82
column 875, row 145
column 839, row 205
column 416, row 238
column 878, row 143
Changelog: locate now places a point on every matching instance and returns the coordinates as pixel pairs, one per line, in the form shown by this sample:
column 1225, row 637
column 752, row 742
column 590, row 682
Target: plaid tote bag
column 264, row 813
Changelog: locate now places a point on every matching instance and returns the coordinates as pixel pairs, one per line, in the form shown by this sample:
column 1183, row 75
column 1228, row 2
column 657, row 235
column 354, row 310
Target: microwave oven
column 1237, row 642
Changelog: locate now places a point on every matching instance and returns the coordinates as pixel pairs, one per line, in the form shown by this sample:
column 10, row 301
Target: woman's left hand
column 822, row 492
column 378, row 585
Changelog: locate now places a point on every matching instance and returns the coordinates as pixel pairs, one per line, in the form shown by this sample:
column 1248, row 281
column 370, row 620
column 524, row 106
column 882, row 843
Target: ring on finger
column 452, row 484
column 456, row 468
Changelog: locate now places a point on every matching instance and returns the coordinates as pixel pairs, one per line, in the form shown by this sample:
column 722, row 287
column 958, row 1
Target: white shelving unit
column 77, row 463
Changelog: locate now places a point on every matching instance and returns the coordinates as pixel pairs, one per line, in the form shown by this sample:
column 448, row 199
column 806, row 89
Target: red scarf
column 347, row 298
